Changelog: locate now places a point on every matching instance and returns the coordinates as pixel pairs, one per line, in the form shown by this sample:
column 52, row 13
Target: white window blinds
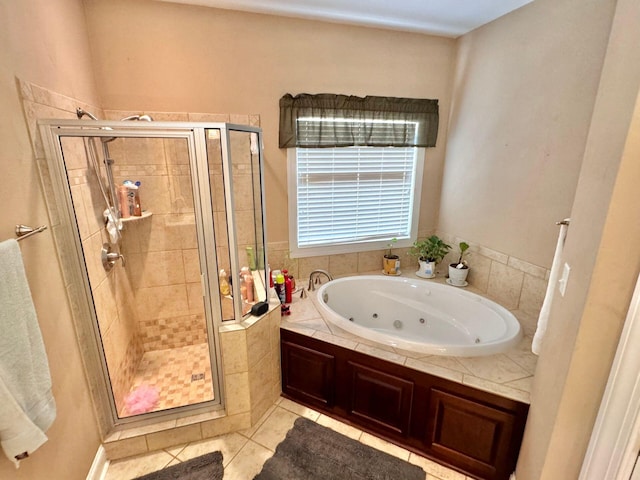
column 354, row 194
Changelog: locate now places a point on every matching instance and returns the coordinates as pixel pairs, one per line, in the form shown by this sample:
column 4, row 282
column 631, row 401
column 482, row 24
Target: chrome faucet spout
column 314, row 278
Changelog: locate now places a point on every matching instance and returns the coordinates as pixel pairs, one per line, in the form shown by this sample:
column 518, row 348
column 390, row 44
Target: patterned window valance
column 328, row 120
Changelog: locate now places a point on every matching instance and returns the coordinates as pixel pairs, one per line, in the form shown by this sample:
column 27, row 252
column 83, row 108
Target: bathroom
column 560, row 98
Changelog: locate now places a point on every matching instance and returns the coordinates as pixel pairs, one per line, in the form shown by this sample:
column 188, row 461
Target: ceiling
column 450, row 18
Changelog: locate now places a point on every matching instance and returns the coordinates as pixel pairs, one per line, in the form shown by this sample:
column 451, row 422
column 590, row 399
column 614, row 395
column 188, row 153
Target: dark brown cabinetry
column 475, row 432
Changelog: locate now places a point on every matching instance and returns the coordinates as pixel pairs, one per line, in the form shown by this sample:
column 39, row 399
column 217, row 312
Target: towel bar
column 25, row 231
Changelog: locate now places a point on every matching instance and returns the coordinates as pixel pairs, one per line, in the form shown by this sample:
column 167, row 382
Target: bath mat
column 205, row 467
column 313, row 452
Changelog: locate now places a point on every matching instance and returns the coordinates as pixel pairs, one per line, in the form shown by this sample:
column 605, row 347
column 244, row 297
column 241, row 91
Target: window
column 355, row 169
column 348, row 199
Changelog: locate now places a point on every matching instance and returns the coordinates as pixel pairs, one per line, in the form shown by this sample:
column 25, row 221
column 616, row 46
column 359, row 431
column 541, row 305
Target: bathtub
column 418, row 315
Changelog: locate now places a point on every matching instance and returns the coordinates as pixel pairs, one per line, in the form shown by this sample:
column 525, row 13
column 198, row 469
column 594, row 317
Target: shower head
column 144, row 118
column 81, row 113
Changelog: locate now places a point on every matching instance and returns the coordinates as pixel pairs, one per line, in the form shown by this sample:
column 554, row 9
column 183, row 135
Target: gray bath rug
column 205, row 467
column 313, row 452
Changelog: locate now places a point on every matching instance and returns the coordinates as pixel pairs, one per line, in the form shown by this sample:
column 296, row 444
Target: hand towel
column 543, row 319
column 27, row 407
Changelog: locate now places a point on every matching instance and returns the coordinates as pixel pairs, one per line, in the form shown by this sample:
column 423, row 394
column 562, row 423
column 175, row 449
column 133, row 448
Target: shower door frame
column 72, row 262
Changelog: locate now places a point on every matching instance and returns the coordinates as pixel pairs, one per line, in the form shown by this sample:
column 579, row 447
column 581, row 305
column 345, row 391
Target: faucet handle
column 109, row 257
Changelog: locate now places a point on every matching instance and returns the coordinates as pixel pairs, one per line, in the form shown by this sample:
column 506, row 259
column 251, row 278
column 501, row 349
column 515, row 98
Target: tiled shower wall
column 161, row 250
column 514, row 283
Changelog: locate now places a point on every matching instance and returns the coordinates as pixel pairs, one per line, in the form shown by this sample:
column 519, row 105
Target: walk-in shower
column 151, row 279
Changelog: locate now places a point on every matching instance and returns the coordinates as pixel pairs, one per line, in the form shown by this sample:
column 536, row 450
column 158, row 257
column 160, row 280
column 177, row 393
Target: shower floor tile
column 182, row 376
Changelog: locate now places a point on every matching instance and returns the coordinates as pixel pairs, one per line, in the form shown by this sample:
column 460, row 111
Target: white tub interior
column 418, row 315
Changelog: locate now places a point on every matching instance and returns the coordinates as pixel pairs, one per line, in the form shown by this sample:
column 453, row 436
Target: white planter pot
column 426, row 269
column 458, row 276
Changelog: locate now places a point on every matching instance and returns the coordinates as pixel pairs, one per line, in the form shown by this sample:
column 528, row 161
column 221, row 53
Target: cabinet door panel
column 308, row 374
column 469, row 433
column 380, row 398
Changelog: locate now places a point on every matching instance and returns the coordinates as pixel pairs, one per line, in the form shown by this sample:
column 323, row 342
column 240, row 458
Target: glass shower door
column 148, row 294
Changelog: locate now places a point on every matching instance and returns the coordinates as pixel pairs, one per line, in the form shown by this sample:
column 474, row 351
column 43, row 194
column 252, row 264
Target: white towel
column 27, row 407
column 543, row 319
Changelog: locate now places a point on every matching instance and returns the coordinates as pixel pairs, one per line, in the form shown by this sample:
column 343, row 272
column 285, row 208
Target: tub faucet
column 314, row 278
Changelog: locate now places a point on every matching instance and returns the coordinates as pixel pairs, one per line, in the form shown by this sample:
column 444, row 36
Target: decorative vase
column 426, row 269
column 391, row 265
column 458, row 276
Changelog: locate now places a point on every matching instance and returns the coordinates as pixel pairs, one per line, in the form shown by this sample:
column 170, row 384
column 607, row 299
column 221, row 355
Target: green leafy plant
column 389, row 246
column 432, row 249
column 463, row 246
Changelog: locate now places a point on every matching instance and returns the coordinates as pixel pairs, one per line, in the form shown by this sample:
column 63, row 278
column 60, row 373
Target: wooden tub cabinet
column 472, row 431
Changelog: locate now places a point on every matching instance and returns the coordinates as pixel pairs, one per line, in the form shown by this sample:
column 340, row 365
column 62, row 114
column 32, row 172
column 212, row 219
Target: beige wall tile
column 479, row 270
column 155, row 269
column 533, row 292
column 505, row 284
column 194, row 298
column 173, row 437
column 258, row 341
column 261, row 377
column 344, row 264
column 237, row 393
column 208, row 117
column 528, row 268
column 309, row 264
column 230, row 423
column 158, row 233
column 125, row 448
column 161, row 302
column 234, row 351
column 191, row 262
column 492, row 254
column 370, row 261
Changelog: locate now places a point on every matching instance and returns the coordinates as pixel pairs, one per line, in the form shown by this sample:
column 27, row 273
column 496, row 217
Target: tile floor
column 182, row 376
column 246, row 451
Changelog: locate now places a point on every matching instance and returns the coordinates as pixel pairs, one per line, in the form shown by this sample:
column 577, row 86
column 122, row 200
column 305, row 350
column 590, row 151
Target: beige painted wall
column 167, row 57
column 601, row 247
column 45, row 42
column 555, row 95
column 524, row 90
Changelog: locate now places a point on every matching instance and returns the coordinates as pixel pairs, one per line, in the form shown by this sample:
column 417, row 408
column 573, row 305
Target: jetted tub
column 418, row 315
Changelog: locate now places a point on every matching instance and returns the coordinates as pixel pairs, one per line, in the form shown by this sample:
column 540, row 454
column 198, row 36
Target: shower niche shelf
column 145, row 214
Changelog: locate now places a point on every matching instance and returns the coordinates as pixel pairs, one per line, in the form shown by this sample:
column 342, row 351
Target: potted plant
column 429, row 253
column 459, row 270
column 391, row 261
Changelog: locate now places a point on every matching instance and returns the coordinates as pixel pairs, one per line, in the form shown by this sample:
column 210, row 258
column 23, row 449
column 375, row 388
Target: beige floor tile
column 275, row 428
column 298, row 409
column 434, row 469
column 229, row 445
column 244, row 456
column 384, row 446
column 343, row 428
column 137, row 466
column 250, row 431
column 248, row 462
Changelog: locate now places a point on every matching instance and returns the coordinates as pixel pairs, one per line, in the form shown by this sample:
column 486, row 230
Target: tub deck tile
column 342, row 342
column 495, row 368
column 492, row 387
column 434, row 370
column 383, row 354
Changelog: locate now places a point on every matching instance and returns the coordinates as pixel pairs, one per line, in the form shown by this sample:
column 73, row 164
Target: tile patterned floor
column 182, row 376
column 246, row 451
